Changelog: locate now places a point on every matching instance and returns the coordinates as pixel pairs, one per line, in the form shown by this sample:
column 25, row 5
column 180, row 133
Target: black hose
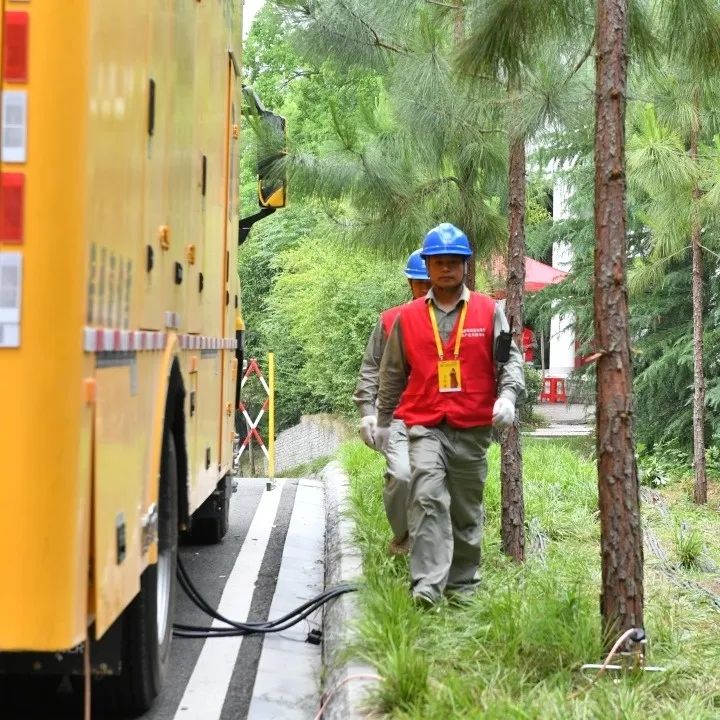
column 198, row 599
column 235, row 628
column 275, row 626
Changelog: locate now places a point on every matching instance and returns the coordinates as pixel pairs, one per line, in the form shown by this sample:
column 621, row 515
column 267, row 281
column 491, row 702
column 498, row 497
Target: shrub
column 533, row 386
column 663, row 463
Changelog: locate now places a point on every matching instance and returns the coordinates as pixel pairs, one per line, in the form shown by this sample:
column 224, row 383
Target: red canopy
column 537, row 275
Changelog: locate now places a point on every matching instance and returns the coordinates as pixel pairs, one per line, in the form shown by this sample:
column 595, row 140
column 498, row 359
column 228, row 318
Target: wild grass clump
column 689, row 544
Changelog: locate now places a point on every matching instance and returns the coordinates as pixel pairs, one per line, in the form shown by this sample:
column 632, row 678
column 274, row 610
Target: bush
column 662, row 464
column 313, row 300
column 533, row 386
column 712, row 458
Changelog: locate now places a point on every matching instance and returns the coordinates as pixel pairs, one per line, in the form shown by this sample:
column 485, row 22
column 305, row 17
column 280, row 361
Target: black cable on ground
column 200, row 602
column 194, row 594
column 271, row 627
column 236, row 629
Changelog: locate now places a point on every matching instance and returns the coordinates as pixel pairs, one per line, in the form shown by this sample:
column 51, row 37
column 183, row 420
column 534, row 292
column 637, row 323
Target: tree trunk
column 459, row 23
column 700, row 494
column 619, row 498
column 471, row 274
column 513, row 510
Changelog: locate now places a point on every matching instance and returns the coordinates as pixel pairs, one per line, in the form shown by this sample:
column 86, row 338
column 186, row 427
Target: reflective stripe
column 117, row 340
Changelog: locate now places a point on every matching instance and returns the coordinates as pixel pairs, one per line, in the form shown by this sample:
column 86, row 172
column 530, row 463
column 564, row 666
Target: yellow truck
column 118, row 308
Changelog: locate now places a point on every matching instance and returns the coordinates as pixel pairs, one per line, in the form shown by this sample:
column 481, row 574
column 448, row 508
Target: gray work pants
column 397, row 480
column 449, row 468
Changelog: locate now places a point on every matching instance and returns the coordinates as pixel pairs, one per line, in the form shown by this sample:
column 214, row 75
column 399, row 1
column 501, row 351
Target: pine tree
column 690, row 32
column 428, row 150
column 618, row 488
column 510, row 41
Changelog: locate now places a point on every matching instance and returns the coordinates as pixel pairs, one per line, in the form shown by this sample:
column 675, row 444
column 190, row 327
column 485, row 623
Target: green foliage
column 507, row 35
column 259, row 269
column 313, row 301
column 536, row 207
column 664, row 359
column 270, row 64
column 427, row 147
column 690, row 32
column 666, row 462
column 660, row 207
column 311, row 94
column 533, row 386
column 656, row 155
column 327, row 300
column 712, row 457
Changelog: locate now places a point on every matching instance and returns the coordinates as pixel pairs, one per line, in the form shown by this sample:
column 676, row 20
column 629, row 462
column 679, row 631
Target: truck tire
column 147, row 621
column 211, row 521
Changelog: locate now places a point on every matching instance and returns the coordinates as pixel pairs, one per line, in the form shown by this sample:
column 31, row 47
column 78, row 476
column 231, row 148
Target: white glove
column 368, row 426
column 382, row 437
column 503, row 413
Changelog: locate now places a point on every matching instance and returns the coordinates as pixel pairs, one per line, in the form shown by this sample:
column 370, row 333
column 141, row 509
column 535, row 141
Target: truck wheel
column 147, row 621
column 211, row 520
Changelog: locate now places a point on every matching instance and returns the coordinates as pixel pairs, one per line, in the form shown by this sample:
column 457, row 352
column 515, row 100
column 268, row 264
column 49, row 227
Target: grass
column 583, row 445
column 516, row 651
column 306, row 469
column 689, row 532
column 689, row 545
column 534, row 421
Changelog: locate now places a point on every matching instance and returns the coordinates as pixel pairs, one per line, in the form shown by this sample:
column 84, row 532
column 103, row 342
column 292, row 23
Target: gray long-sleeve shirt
column 394, row 370
column 369, row 377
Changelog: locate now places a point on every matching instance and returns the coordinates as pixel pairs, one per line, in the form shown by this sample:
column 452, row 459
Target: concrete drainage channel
column 346, row 681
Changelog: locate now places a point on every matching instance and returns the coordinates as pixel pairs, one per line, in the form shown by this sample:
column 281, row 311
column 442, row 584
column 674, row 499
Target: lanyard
column 436, row 332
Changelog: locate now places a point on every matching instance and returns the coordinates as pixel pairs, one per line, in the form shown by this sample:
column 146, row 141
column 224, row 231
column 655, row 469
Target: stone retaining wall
column 314, row 437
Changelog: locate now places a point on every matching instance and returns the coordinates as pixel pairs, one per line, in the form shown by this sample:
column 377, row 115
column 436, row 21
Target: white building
column 562, row 333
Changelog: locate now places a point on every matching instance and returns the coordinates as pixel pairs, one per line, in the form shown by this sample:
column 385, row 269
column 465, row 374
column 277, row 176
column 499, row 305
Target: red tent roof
column 537, row 275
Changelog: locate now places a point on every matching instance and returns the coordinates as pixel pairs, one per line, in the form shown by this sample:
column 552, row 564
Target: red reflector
column 12, row 203
column 15, row 53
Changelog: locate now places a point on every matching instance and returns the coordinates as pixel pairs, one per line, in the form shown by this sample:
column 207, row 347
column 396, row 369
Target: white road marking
column 286, row 685
column 206, row 690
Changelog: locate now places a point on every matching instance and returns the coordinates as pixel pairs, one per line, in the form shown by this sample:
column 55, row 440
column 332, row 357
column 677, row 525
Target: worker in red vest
column 451, row 373
column 397, row 474
column 528, row 343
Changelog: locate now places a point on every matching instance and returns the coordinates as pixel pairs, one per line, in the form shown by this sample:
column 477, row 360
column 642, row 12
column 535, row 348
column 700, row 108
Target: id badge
column 449, row 376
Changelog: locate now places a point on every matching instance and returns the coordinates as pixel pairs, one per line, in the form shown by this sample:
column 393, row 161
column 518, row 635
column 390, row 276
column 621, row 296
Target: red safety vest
column 388, row 318
column 422, row 403
column 527, row 342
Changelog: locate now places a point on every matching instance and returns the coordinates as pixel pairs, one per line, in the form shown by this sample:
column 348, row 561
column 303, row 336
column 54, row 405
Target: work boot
column 399, row 547
column 423, row 602
column 460, row 599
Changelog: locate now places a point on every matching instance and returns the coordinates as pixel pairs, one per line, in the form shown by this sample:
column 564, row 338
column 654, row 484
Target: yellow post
column 271, row 421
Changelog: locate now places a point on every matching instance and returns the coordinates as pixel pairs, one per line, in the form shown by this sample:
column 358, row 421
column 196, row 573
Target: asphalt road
column 214, row 679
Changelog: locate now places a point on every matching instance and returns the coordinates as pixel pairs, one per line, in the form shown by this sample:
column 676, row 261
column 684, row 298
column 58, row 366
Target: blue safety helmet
column 446, row 239
column 415, row 268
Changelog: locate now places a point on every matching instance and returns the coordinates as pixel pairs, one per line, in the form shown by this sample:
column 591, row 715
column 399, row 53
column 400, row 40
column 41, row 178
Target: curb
column 343, row 564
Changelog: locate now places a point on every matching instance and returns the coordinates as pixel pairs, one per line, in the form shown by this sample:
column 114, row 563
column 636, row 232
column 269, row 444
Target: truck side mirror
column 272, row 178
